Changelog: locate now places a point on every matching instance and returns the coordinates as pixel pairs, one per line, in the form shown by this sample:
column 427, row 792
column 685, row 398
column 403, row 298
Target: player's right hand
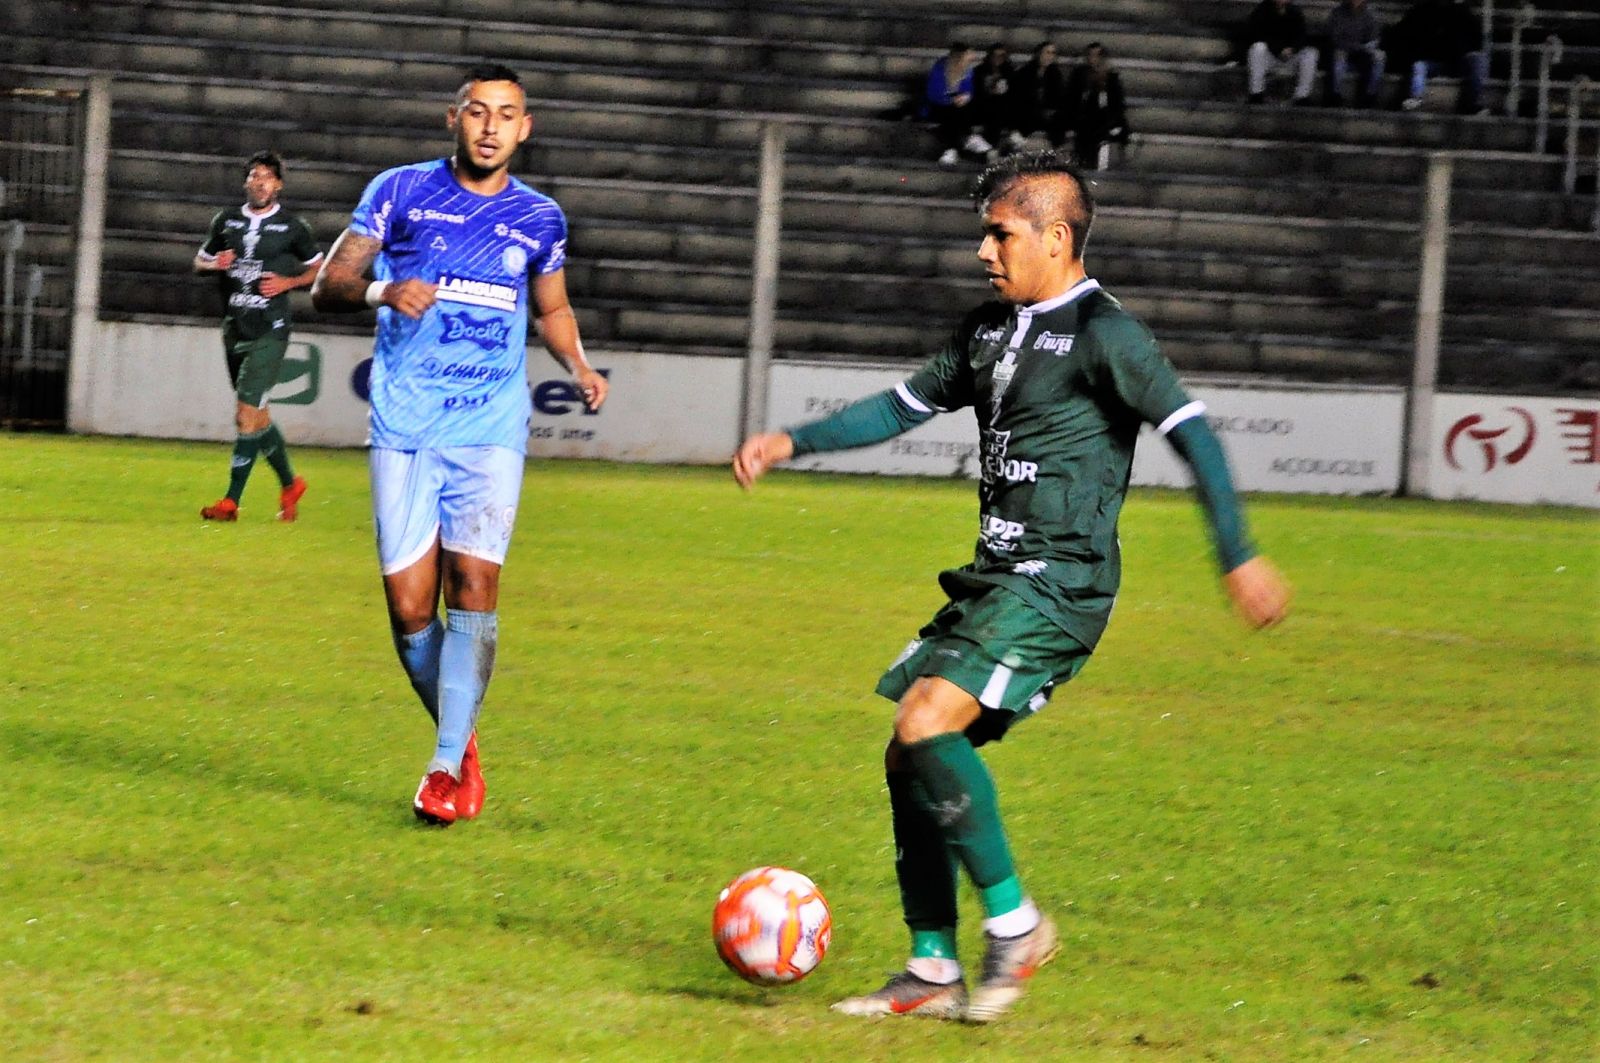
column 224, row 259
column 760, row 453
column 412, row 297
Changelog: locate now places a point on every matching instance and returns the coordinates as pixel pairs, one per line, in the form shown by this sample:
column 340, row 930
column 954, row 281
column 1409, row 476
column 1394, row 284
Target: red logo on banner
column 1489, row 439
column 1583, row 430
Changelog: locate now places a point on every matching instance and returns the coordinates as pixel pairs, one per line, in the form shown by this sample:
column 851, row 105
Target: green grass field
column 1369, row 834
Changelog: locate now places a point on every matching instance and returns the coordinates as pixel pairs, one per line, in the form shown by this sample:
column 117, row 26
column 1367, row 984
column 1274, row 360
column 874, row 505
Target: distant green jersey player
column 1061, row 378
column 259, row 253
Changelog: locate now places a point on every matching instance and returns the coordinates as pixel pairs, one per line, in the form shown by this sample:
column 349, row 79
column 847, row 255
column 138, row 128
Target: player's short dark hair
column 269, row 159
column 487, row 72
column 491, row 72
column 1045, row 187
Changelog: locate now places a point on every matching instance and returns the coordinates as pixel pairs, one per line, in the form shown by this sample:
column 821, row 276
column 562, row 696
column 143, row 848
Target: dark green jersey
column 1060, row 389
column 276, row 242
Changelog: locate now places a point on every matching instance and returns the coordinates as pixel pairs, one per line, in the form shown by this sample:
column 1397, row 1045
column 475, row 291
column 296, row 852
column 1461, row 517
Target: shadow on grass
column 187, row 762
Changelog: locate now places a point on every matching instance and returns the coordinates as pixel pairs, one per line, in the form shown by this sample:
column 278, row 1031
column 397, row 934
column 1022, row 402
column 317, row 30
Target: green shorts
column 997, row 648
column 253, row 365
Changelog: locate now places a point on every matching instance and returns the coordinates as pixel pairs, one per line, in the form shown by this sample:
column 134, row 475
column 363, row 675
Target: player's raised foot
column 221, row 509
column 469, row 794
column 906, row 994
column 1007, row 964
column 289, row 499
column 436, row 799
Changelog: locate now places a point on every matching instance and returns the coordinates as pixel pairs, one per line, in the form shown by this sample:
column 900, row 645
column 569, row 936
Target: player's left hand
column 272, row 284
column 593, row 386
column 1259, row 592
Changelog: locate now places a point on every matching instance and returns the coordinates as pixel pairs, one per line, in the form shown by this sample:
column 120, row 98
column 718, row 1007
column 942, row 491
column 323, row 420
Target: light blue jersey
column 457, row 376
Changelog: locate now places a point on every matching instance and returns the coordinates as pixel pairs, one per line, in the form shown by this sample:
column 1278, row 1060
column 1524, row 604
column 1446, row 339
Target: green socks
column 924, row 866
column 276, row 452
column 245, row 449
column 958, row 795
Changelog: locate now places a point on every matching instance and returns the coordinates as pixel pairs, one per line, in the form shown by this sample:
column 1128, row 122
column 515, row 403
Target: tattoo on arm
column 341, row 284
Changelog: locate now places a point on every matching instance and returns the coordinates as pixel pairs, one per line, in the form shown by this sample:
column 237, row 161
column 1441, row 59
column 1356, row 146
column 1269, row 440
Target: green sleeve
column 1132, row 367
column 305, row 242
column 1201, row 450
column 214, row 243
column 860, row 424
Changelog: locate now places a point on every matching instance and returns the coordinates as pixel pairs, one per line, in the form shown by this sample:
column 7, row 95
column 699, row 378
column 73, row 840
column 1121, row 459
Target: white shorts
column 466, row 497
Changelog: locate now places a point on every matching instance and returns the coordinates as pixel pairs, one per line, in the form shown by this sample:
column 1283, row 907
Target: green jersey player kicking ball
column 1061, row 378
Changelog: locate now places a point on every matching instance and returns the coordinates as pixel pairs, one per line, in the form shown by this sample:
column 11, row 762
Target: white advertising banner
column 1323, row 442
column 171, row 381
column 1513, row 449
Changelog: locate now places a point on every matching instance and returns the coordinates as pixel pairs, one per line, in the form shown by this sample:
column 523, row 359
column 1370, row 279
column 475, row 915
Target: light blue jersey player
column 452, row 252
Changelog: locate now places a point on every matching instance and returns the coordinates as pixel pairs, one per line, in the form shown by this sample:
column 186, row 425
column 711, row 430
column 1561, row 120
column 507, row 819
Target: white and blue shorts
column 466, row 497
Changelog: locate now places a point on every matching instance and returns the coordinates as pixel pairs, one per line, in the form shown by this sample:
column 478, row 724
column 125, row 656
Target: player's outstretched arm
column 1259, row 592
column 1257, row 589
column 558, row 326
column 760, row 453
column 860, row 424
column 345, row 284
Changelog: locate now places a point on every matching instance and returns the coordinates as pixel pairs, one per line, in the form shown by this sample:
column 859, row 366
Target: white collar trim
column 1083, row 287
column 263, row 215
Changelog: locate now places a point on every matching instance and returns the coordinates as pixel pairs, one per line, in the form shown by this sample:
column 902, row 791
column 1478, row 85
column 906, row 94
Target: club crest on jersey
column 490, row 334
column 1050, row 341
column 515, row 260
column 477, row 293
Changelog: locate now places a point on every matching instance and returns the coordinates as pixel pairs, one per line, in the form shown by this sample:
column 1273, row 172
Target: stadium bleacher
column 1253, row 240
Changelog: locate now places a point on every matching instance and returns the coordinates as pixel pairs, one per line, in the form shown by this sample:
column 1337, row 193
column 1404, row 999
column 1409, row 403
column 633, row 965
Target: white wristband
column 375, row 292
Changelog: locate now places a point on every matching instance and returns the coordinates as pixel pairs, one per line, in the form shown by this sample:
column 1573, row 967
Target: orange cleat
column 436, row 799
column 224, row 509
column 469, row 794
column 289, row 499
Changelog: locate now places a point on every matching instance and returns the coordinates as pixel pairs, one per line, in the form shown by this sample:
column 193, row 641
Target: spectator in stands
column 1096, row 107
column 1039, row 89
column 1353, row 34
column 1441, row 37
column 996, row 107
column 1279, row 44
column 948, row 94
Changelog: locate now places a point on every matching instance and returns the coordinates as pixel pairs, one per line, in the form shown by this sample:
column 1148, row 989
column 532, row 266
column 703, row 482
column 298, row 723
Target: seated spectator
column 996, row 107
column 1353, row 34
column 948, row 94
column 1039, row 89
column 1278, row 44
column 1441, row 37
column 1096, row 107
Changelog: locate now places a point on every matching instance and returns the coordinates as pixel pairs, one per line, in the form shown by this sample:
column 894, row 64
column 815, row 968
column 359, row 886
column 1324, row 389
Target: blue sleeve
column 1201, row 450
column 376, row 210
column 936, row 90
column 555, row 256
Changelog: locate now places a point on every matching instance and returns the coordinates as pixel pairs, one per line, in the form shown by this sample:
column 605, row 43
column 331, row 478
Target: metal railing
column 41, row 132
column 1574, row 151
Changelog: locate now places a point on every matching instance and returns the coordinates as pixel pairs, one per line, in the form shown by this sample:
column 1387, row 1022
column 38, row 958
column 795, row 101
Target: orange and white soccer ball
column 772, row 926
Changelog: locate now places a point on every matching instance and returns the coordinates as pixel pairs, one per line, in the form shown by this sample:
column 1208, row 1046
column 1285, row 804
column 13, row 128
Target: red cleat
column 469, row 794
column 289, row 499
column 436, row 799
column 224, row 509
